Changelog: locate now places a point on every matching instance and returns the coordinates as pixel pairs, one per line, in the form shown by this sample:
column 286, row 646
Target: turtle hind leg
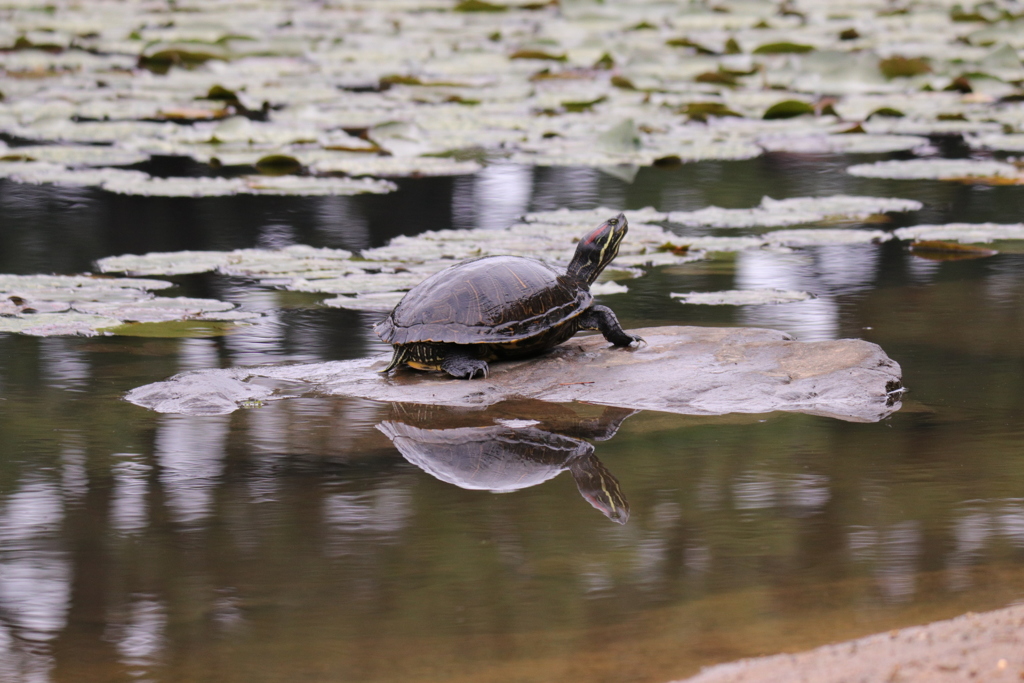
column 400, row 356
column 602, row 318
column 462, row 364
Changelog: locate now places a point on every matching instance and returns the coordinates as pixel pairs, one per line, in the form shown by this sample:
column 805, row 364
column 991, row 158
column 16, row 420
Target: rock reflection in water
column 512, row 454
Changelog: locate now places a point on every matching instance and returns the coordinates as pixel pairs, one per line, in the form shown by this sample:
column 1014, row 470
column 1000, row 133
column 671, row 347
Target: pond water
column 296, row 542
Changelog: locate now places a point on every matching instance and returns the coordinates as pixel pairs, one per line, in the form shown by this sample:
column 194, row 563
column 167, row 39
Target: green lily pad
column 184, row 329
column 788, row 109
column 782, row 48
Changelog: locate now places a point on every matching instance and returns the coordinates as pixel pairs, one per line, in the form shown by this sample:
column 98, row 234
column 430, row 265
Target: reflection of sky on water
column 35, row 579
column 823, row 271
column 190, row 452
column 500, row 194
column 63, row 365
column 138, row 632
column 128, row 512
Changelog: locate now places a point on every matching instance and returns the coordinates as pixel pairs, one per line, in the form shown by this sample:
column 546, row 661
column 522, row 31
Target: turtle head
column 599, row 487
column 597, row 249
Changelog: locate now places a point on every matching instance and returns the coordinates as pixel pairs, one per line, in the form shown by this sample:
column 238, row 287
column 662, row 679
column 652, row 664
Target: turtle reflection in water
column 502, row 307
column 516, row 455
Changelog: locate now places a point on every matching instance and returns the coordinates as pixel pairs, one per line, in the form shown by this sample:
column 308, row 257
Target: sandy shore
column 987, row 647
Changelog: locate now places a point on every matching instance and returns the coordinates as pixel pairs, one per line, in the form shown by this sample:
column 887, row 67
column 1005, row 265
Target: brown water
column 295, row 543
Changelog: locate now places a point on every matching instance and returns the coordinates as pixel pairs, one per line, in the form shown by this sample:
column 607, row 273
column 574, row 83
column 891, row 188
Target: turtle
column 503, row 307
column 505, row 458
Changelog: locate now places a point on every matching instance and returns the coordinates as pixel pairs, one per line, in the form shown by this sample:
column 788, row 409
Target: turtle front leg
column 602, row 318
column 461, row 364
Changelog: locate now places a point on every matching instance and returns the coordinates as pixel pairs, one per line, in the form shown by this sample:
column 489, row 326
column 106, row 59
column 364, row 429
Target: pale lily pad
column 842, row 144
column 937, row 169
column 309, row 186
column 258, row 185
column 45, row 305
column 824, row 236
column 43, row 173
column 77, row 155
column 75, row 288
column 389, row 166
column 297, row 260
column 793, row 211
column 967, row 233
column 162, row 309
column 57, row 324
column 584, row 85
column 145, row 185
column 164, row 263
column 998, row 143
column 361, row 283
column 377, row 301
column 603, row 288
column 909, row 126
column 742, row 297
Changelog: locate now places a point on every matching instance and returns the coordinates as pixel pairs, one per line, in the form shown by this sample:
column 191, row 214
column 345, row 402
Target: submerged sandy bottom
column 985, row 647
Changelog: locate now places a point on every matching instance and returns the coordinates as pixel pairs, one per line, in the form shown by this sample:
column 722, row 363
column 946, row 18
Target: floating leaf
column 742, row 297
column 940, row 250
column 968, row 233
column 842, row 144
column 605, row 288
column 793, row 211
column 479, row 6
column 377, row 301
column 888, row 112
column 278, row 164
column 45, row 305
column 184, row 329
column 820, row 237
column 904, row 67
column 782, row 48
column 537, row 54
column 788, row 109
column 58, row 324
column 937, row 169
column 74, row 155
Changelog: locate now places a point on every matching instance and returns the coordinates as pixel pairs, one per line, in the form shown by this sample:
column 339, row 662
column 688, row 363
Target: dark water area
column 298, row 542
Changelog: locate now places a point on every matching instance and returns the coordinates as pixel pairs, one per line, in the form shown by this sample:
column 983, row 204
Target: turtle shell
column 489, row 300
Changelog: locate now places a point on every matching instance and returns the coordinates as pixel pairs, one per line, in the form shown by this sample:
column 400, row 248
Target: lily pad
column 76, row 155
column 938, row 169
column 824, row 237
column 743, row 297
column 45, row 305
column 604, row 288
column 793, row 211
column 376, row 301
column 998, row 143
column 967, row 233
column 843, row 144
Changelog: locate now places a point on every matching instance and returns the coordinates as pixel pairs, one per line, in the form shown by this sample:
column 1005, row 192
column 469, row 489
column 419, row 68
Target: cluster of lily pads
column 46, row 305
column 376, row 279
column 357, row 89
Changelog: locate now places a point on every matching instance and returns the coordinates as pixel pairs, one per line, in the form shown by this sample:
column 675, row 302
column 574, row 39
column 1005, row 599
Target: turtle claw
column 639, row 341
column 464, row 367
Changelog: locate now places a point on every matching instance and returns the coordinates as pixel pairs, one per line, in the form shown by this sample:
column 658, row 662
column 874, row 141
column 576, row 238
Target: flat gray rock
column 686, row 370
